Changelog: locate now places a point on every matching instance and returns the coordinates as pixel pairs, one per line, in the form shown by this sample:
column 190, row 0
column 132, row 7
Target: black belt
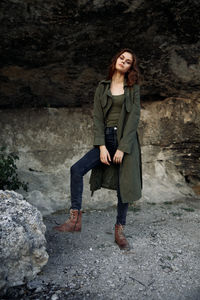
column 110, row 130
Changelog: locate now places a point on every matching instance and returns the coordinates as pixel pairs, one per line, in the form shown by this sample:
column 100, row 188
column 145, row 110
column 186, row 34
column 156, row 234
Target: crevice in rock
column 152, row 98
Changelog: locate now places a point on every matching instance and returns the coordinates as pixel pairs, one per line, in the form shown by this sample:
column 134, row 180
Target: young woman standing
column 115, row 159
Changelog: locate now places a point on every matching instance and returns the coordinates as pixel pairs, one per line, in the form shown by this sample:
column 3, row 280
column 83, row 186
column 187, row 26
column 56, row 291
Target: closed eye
column 127, row 61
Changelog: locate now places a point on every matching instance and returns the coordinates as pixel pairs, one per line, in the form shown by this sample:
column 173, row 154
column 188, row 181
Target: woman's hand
column 118, row 157
column 104, row 155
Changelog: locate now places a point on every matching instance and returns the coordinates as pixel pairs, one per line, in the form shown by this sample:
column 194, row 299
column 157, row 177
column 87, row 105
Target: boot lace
column 120, row 230
column 73, row 214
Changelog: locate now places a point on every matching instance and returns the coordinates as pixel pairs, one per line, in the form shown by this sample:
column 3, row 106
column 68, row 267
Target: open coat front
column 130, row 170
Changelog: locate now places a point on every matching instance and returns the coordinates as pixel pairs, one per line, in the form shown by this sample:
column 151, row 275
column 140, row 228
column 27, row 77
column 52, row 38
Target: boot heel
column 120, row 238
column 73, row 224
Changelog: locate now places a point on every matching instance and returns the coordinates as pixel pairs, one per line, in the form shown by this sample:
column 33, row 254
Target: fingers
column 117, row 160
column 118, row 157
column 104, row 160
column 109, row 156
column 105, row 157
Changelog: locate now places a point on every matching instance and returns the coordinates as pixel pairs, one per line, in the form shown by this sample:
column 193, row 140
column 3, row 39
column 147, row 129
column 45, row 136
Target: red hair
column 133, row 75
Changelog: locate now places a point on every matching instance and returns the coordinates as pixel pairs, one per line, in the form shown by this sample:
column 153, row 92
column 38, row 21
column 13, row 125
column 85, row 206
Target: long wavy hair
column 133, row 74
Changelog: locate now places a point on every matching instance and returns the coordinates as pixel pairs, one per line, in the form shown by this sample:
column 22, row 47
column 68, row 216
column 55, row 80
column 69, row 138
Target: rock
column 169, row 134
column 49, row 141
column 22, row 246
column 50, row 67
column 53, row 53
column 54, row 297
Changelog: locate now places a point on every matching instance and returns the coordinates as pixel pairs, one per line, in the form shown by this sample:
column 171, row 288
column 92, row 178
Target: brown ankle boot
column 73, row 224
column 120, row 238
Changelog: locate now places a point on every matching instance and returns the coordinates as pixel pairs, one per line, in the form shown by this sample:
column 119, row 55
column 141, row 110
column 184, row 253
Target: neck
column 118, row 77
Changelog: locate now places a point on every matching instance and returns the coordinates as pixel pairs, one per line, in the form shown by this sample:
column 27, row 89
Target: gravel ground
column 163, row 263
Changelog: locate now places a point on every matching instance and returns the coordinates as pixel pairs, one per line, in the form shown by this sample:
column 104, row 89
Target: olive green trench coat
column 130, row 170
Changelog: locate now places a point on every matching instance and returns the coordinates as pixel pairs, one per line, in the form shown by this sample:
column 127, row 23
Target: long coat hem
column 130, row 170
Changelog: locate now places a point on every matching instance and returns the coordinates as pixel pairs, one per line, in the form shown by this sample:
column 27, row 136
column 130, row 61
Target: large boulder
column 22, row 240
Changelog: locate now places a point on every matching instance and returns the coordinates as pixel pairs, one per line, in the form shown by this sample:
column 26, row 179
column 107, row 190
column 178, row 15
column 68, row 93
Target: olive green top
column 114, row 112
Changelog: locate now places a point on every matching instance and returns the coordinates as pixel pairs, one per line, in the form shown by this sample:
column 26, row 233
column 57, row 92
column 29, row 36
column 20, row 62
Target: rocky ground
column 163, row 262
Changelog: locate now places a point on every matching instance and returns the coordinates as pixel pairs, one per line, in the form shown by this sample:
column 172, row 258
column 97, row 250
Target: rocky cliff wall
column 50, row 140
column 54, row 52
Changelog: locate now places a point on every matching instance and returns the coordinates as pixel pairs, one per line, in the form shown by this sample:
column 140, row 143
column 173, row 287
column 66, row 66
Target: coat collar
column 107, row 92
column 108, row 81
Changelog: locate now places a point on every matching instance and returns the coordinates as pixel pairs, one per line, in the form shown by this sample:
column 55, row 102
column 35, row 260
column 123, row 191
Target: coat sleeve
column 129, row 132
column 98, row 120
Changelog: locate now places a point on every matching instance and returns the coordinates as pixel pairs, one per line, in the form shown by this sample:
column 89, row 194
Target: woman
column 115, row 159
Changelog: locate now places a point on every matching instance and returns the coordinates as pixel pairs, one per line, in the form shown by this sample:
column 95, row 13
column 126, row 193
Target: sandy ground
column 163, row 263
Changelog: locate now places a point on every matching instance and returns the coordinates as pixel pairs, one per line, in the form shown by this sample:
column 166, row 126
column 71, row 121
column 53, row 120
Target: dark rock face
column 54, row 52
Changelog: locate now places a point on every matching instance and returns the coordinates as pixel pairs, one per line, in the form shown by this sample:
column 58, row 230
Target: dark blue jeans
column 90, row 160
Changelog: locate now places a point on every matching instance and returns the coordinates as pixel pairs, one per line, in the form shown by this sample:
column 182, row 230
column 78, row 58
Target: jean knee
column 75, row 170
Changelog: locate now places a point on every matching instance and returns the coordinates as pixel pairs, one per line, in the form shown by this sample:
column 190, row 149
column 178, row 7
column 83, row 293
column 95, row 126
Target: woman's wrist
column 120, row 150
column 102, row 147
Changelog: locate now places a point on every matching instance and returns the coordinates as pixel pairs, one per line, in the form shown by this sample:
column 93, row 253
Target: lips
column 121, row 65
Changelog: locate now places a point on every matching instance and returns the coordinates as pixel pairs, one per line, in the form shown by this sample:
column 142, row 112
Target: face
column 124, row 62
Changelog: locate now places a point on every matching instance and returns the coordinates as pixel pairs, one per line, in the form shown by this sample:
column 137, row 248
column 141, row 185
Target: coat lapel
column 128, row 103
column 106, row 100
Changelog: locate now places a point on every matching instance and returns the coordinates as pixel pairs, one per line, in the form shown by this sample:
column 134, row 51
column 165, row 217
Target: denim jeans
column 90, row 160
